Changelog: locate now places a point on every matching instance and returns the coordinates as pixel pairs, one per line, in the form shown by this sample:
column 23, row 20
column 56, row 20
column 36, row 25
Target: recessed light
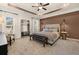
column 66, row 4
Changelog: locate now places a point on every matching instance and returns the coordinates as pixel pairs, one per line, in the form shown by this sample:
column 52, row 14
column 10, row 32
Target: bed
column 49, row 35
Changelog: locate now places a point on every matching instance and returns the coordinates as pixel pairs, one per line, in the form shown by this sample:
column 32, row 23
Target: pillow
column 55, row 30
column 52, row 30
column 45, row 30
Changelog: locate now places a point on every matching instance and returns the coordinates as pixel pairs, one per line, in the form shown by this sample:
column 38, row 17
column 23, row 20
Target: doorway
column 25, row 27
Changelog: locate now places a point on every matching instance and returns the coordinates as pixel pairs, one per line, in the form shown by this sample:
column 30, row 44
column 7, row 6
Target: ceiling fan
column 41, row 6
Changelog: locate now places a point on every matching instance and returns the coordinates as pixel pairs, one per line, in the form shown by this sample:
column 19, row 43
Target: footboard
column 40, row 38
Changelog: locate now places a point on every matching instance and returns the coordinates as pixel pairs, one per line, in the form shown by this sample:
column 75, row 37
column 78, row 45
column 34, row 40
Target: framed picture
column 9, row 22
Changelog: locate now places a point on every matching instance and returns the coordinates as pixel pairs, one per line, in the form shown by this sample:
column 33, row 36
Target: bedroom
column 39, row 28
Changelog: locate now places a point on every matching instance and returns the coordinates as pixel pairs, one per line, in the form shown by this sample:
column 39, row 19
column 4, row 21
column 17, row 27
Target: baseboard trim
column 73, row 39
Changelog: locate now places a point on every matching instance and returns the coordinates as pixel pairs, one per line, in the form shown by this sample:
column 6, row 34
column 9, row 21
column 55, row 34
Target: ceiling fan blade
column 52, row 11
column 38, row 9
column 41, row 4
column 44, row 8
column 35, row 6
column 46, row 4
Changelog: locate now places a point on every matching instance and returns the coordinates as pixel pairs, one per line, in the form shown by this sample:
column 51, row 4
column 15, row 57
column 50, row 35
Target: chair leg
column 30, row 37
column 44, row 44
column 10, row 41
column 14, row 39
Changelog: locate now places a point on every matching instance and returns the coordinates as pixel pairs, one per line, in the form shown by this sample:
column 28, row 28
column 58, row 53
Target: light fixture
column 63, row 26
column 40, row 7
column 65, row 4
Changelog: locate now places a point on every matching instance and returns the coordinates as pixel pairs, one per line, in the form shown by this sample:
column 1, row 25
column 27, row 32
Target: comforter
column 50, row 35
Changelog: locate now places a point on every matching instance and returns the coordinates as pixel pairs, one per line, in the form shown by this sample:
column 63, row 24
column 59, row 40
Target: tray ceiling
column 52, row 8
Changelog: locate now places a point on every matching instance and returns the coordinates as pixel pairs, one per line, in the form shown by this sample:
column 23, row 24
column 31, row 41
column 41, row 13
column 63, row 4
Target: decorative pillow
column 45, row 30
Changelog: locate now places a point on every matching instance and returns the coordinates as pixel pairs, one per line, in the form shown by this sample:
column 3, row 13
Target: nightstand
column 64, row 35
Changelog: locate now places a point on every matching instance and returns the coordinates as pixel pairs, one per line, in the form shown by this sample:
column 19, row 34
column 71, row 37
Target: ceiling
column 66, row 8
column 28, row 6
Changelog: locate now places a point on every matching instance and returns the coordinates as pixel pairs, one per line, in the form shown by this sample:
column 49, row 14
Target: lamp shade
column 63, row 25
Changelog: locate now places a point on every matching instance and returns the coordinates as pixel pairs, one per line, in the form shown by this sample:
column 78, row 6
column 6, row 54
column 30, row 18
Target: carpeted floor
column 26, row 47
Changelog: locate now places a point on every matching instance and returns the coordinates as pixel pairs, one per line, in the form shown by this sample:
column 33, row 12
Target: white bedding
column 50, row 35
